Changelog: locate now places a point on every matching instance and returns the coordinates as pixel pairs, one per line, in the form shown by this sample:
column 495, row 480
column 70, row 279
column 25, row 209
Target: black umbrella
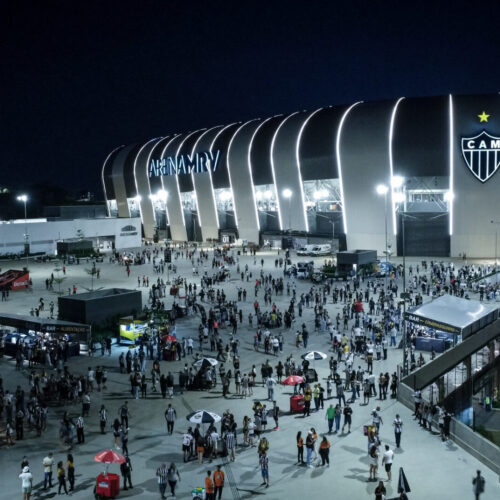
column 403, row 482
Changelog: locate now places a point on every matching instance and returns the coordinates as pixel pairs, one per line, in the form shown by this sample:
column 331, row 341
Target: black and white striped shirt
column 230, row 441
column 162, row 474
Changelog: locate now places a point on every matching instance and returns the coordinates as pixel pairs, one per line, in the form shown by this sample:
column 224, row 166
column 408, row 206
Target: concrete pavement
column 434, row 469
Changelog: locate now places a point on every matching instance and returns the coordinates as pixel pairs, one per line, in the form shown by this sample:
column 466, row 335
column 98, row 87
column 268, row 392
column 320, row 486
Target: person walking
column 347, row 418
column 124, row 439
column 173, row 478
column 276, row 414
column 373, row 457
column 230, row 441
column 170, row 416
column 209, row 486
column 478, row 485
column 61, row 476
column 398, row 428
column 117, row 433
column 309, row 448
column 85, row 405
column 162, row 475
column 26, row 482
column 219, row 477
column 300, row 448
column 270, row 383
column 103, row 418
column 70, row 464
column 324, row 451
column 338, row 416
column 48, row 463
column 330, row 416
column 80, row 426
column 126, row 470
column 380, row 491
column 387, row 459
column 187, row 439
column 264, row 469
column 124, row 414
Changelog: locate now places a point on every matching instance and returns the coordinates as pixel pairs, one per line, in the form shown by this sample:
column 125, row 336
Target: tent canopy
column 454, row 315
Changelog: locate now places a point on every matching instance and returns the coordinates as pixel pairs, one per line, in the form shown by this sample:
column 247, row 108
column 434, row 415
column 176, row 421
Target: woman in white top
column 373, row 463
column 251, row 432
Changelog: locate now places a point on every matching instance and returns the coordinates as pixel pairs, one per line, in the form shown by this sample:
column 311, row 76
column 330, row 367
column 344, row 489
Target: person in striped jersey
column 162, row 475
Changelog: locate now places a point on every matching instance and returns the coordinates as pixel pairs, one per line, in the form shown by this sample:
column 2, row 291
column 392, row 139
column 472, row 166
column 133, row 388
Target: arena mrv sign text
column 185, row 164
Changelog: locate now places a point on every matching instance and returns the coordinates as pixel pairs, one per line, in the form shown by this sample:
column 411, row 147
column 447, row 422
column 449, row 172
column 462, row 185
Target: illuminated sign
column 186, row 164
column 430, row 323
column 481, row 153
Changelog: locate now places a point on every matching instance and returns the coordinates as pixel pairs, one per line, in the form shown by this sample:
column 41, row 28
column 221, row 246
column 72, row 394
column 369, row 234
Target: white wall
column 43, row 236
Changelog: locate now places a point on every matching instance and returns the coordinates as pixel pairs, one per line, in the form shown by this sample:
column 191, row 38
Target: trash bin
column 297, row 403
column 108, row 485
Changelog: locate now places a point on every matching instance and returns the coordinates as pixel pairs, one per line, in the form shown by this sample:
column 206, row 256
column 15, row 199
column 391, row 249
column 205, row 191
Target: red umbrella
column 293, row 380
column 109, row 457
column 169, row 338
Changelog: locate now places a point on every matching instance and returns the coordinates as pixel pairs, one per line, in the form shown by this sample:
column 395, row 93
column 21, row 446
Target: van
column 305, row 250
column 321, row 250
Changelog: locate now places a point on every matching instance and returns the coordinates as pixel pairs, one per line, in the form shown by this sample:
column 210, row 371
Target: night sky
column 80, row 77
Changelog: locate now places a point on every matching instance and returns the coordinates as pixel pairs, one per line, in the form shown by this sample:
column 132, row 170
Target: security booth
column 355, row 262
column 447, row 320
column 42, row 335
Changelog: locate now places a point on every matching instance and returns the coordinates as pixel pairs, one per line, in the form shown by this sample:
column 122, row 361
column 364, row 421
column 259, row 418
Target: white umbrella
column 314, row 355
column 203, row 417
column 203, row 362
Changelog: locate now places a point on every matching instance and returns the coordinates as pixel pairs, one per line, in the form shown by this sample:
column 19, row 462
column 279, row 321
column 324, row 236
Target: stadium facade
column 318, row 173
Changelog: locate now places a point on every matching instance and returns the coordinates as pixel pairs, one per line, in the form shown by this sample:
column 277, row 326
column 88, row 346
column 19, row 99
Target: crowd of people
column 358, row 338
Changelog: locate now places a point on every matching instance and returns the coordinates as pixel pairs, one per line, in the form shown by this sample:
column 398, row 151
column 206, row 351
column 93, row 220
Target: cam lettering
column 492, row 144
column 186, row 164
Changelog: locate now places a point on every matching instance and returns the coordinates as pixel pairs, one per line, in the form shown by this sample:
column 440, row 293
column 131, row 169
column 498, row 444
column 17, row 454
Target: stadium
column 417, row 173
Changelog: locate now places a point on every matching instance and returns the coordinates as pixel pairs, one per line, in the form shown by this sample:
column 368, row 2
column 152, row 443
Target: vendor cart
column 107, row 485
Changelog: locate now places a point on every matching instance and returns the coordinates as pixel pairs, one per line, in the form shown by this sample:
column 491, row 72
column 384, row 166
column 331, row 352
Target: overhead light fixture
column 382, row 189
column 320, row 194
column 397, row 181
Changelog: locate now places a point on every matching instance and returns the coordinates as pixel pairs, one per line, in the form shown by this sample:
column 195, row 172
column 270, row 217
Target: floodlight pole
column 496, row 223
column 405, row 357
column 386, row 262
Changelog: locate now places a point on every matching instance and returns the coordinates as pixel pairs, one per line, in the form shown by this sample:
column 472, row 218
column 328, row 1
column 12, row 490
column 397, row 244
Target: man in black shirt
column 347, row 418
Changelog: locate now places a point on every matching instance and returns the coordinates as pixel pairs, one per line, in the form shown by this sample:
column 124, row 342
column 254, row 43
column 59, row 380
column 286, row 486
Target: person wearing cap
column 27, row 482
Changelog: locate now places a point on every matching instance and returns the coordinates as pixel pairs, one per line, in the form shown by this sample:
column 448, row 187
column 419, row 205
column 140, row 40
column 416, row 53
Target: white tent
column 454, row 315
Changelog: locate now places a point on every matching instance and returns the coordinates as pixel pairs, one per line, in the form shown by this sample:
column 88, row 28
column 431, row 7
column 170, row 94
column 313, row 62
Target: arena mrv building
column 427, row 166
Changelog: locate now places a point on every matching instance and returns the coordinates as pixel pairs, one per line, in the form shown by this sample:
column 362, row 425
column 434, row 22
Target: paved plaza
column 435, row 470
